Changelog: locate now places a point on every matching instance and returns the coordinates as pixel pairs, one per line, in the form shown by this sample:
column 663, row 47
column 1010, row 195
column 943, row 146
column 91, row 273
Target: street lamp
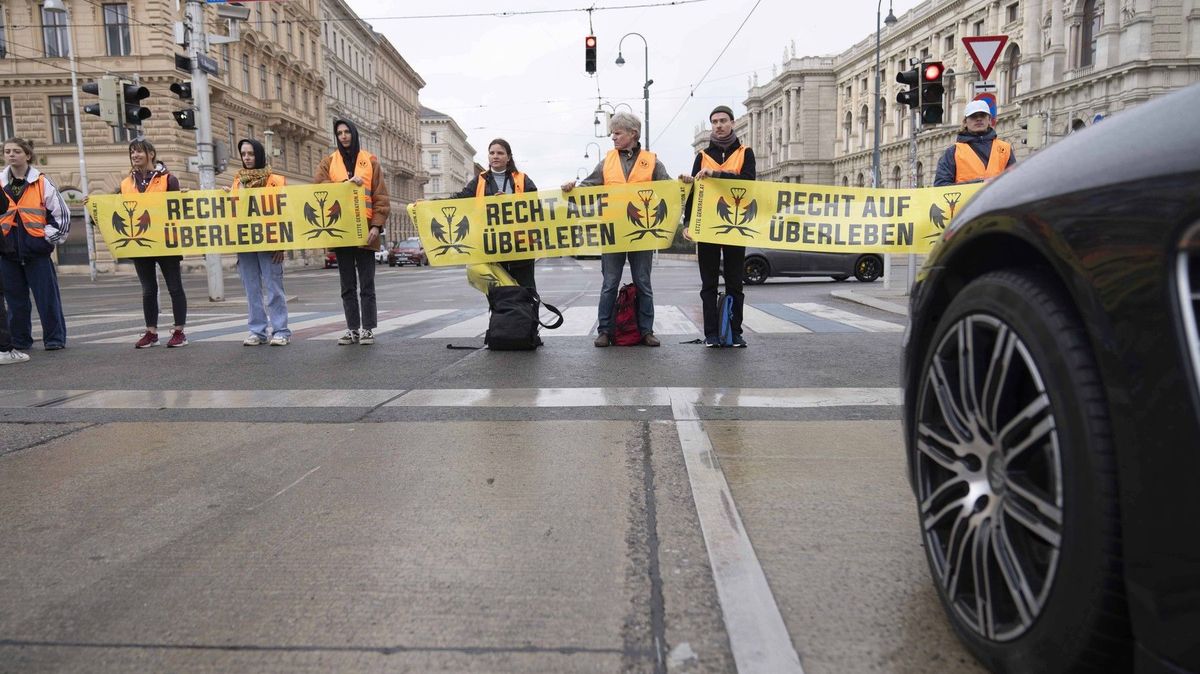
column 585, row 148
column 56, row 6
column 612, row 110
column 646, row 86
column 891, row 19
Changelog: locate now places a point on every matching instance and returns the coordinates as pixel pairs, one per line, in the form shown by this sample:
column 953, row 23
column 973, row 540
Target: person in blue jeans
column 627, row 162
column 35, row 220
column 258, row 270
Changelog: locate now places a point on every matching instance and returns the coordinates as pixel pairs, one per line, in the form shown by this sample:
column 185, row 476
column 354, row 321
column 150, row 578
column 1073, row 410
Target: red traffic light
column 590, row 42
column 932, row 71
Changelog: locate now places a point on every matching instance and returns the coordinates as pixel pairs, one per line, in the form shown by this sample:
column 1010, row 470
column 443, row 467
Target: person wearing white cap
column 977, row 155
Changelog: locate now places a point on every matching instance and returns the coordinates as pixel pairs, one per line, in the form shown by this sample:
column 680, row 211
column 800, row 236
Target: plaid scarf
column 253, row 177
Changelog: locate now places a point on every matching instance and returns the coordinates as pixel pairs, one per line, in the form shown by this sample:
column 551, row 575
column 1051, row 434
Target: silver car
column 763, row 263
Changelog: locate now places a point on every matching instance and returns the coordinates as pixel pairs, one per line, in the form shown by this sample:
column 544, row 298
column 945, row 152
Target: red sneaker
column 148, row 340
column 177, row 339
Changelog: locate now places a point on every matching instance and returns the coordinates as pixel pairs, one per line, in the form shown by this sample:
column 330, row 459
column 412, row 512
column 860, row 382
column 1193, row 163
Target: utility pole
column 197, row 45
column 910, row 276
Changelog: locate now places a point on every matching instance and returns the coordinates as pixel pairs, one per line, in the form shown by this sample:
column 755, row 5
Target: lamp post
column 59, row 6
column 589, row 145
column 612, row 110
column 646, row 86
column 891, row 19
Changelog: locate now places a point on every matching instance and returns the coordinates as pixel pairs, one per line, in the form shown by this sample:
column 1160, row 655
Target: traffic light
column 932, row 92
column 182, row 89
column 185, row 118
column 131, row 103
column 589, row 54
column 108, row 109
column 911, row 96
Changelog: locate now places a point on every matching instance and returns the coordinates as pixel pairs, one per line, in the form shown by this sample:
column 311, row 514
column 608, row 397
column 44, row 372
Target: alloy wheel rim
column 989, row 478
column 868, row 267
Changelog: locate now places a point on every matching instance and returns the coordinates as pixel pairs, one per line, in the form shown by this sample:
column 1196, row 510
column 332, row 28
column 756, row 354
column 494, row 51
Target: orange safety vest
column 362, row 168
column 733, row 163
column 273, row 180
column 968, row 167
column 518, row 179
column 642, row 172
column 157, row 184
column 32, row 208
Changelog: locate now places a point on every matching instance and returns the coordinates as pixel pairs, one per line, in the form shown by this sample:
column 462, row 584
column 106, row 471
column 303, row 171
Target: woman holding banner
column 356, row 265
column 977, row 155
column 261, row 270
column 34, row 222
column 502, row 177
column 725, row 157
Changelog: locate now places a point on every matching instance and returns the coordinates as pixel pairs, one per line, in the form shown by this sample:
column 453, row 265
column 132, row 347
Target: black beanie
column 722, row 108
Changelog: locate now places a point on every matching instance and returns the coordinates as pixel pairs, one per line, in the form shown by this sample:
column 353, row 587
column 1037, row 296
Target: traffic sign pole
column 197, row 46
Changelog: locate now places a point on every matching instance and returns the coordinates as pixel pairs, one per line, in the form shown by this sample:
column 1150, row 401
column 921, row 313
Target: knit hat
column 721, row 108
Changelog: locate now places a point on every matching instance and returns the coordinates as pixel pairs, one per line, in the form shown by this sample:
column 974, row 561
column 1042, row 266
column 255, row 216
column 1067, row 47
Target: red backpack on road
column 625, row 332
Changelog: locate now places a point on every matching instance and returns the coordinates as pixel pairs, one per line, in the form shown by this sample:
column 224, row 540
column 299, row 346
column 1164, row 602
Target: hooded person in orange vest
column 261, row 270
column 502, row 177
column 977, row 155
column 356, row 265
column 627, row 162
column 725, row 157
column 35, row 220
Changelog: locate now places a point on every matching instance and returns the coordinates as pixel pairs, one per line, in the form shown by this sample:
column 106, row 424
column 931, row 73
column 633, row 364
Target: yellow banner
column 584, row 221
column 484, row 277
column 793, row 216
column 215, row 221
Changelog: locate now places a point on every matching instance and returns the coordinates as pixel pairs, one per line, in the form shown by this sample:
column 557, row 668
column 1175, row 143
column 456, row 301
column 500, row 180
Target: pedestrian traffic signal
column 183, row 90
column 131, row 102
column 932, row 91
column 185, row 118
column 911, row 96
column 108, row 109
column 589, row 54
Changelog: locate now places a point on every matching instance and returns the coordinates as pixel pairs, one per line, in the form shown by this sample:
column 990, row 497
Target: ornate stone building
column 445, row 153
column 348, row 44
column 399, row 138
column 1068, row 62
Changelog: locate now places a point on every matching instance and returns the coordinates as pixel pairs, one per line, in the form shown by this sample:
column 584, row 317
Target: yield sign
column 985, row 51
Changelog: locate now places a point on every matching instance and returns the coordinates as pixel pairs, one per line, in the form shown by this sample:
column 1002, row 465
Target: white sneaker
column 366, row 337
column 279, row 340
column 253, row 340
column 350, row 337
column 14, row 356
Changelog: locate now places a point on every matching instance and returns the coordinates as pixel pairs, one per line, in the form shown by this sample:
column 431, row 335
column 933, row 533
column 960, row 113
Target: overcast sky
column 522, row 77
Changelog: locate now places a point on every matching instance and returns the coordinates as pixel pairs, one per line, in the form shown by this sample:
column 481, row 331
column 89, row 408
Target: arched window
column 862, row 182
column 896, row 176
column 1014, row 74
column 920, row 174
column 884, row 138
column 862, row 126
column 1087, row 35
column 846, row 131
column 845, row 181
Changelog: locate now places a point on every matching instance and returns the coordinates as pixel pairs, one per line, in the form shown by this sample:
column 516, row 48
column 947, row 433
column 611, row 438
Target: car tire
column 756, row 271
column 840, row 277
column 868, row 268
column 1015, row 474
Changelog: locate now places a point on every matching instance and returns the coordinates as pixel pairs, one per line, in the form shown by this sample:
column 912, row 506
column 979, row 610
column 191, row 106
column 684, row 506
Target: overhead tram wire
column 710, row 68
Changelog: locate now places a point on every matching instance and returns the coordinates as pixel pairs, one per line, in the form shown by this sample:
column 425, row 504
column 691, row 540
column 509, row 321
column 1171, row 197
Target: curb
column 867, row 300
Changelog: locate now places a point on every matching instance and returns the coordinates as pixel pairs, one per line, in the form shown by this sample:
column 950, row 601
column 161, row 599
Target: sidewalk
column 875, row 295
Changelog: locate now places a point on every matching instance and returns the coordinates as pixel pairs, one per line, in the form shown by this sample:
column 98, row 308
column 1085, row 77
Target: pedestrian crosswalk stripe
column 577, row 321
column 669, row 320
column 472, row 327
column 757, row 320
column 131, row 332
column 868, row 324
column 293, row 325
column 390, row 324
column 424, row 327
column 813, row 323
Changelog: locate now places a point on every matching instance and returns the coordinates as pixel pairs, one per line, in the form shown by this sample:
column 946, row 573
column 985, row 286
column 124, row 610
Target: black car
column 1052, row 403
column 763, row 263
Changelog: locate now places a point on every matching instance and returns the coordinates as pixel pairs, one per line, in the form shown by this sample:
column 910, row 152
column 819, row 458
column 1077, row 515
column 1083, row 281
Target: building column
column 1139, row 30
column 1108, row 42
column 1191, row 14
column 1054, row 61
column 1031, row 46
column 787, row 124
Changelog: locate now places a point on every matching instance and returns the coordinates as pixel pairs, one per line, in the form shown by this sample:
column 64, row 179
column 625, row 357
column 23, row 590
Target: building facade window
column 7, row 130
column 262, row 81
column 275, row 24
column 435, row 160
column 896, row 176
column 54, row 33
column 977, row 29
column 279, row 87
column 116, row 29
column 123, row 134
column 862, row 127
column 435, row 184
column 1012, row 13
column 227, row 61
column 246, row 73
column 62, row 120
column 433, row 137
column 920, row 174
column 1087, row 36
column 1014, row 74
column 231, row 130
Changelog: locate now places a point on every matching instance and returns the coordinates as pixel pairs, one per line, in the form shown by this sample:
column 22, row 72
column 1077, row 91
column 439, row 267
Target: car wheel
column 1014, row 470
column 755, row 271
column 868, row 268
column 840, row 277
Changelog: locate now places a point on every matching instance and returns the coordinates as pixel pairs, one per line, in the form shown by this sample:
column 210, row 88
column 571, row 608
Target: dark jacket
column 749, row 170
column 489, row 187
column 947, row 168
column 20, row 244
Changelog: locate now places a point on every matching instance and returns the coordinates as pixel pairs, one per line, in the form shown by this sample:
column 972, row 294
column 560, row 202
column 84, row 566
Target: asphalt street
column 409, row 507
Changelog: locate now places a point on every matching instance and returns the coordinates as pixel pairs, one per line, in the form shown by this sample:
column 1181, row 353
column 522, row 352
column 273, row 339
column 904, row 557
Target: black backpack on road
column 514, row 322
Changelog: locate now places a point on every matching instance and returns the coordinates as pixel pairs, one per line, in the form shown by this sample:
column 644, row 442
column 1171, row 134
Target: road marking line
column 577, row 322
column 276, row 494
column 757, row 635
column 472, row 327
column 669, row 320
column 533, row 397
column 758, row 320
column 861, row 322
column 392, row 323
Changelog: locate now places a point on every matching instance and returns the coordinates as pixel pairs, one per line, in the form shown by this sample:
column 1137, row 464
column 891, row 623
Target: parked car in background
column 330, row 259
column 763, row 263
column 1052, row 403
column 381, row 256
column 408, row 251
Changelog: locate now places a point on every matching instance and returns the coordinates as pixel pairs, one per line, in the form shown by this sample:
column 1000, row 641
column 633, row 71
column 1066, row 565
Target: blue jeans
column 33, row 274
column 612, row 264
column 260, row 273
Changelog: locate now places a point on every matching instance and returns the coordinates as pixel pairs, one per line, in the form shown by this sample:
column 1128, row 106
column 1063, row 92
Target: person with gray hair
column 627, row 162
